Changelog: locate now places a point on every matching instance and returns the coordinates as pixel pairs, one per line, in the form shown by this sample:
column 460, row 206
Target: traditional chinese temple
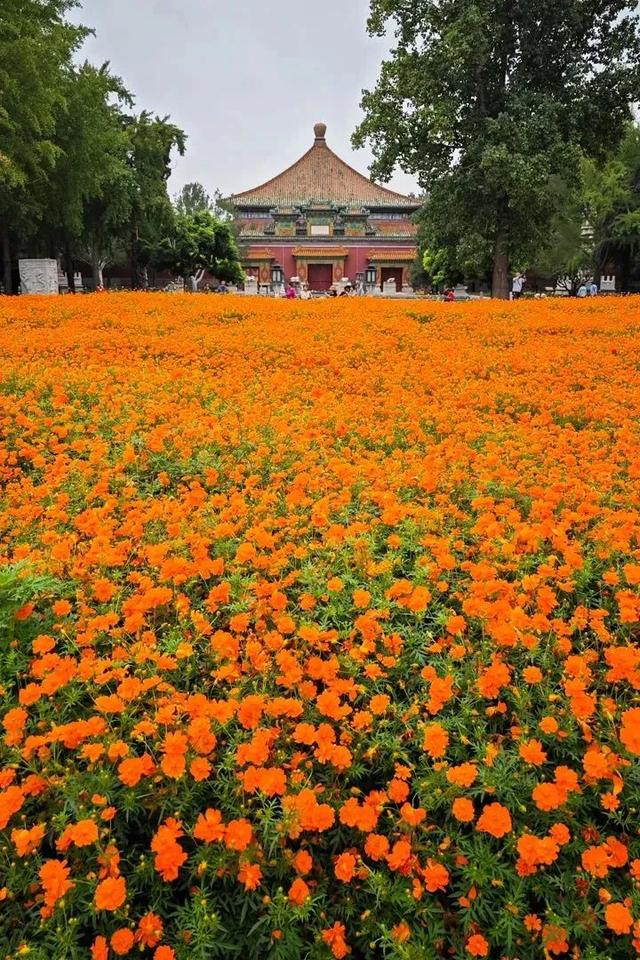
column 322, row 221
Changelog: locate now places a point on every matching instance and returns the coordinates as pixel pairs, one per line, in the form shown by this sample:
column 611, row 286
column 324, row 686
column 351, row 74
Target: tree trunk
column 500, row 283
column 6, row 259
column 135, row 266
column 625, row 271
column 96, row 269
column 68, row 267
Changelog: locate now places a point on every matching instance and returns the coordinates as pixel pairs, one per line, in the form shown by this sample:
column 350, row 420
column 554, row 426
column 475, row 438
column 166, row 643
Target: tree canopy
column 489, row 103
column 192, row 198
column 80, row 173
column 199, row 242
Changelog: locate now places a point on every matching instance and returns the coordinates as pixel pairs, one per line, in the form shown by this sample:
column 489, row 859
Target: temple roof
column 320, row 175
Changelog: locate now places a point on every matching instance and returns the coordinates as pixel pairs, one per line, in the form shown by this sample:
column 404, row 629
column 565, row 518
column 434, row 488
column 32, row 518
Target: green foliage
column 152, row 140
column 192, row 199
column 78, row 174
column 32, row 86
column 198, row 242
column 488, row 104
column 612, row 202
column 36, row 47
column 88, row 179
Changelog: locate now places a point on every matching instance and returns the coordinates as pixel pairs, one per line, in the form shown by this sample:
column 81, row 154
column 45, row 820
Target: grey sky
column 246, row 79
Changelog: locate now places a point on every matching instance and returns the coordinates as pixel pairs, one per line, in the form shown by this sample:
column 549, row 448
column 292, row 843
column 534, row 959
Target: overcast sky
column 245, row 79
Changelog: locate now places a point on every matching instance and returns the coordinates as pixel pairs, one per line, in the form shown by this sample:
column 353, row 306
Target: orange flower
column 110, row 893
column 133, row 769
column 464, row 775
column 61, row 608
column 596, row 861
column 209, row 826
column 495, row 820
column 436, row 740
column 334, row 937
column 27, row 841
column 122, row 941
column 250, row 875
column 376, row 846
column 379, row 704
column 436, row 876
column 549, row 725
column 99, row 949
column 548, row 796
column 163, row 953
column 11, row 801
column 249, row 504
column 532, row 675
column 174, row 748
column 362, row 816
column 532, row 752
column 238, row 834
column 345, row 867
column 414, row 816
column 463, row 810
column 54, row 877
column 169, row 855
column 630, row 730
column 298, row 892
column 618, row 918
column 555, row 939
column 361, row 599
column 400, row 856
column 150, row 930
column 477, row 946
column 302, row 862
column 401, row 932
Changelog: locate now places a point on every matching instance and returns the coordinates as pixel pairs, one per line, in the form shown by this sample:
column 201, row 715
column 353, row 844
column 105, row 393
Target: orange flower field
column 319, row 628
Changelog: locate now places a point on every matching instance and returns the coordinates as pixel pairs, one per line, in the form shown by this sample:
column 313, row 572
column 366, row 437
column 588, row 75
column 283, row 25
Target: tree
column 92, row 162
column 36, row 47
column 192, row 198
column 487, row 102
column 199, row 243
column 567, row 261
column 152, row 141
column 612, row 200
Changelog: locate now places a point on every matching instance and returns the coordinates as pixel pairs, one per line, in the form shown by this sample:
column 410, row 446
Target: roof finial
column 320, row 130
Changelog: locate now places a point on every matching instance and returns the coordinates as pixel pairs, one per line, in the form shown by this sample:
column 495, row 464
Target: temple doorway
column 391, row 273
column 320, row 276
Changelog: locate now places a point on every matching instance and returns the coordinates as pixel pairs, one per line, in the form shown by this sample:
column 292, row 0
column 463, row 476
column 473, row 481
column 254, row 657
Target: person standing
column 517, row 285
column 593, row 289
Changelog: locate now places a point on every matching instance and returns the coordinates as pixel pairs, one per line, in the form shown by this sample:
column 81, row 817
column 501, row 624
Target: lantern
column 277, row 274
column 371, row 275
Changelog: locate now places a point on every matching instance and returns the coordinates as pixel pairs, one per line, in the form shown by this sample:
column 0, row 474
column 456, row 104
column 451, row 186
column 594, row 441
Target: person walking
column 517, row 285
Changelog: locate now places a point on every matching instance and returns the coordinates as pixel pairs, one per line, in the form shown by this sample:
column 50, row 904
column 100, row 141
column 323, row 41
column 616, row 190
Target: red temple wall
column 356, row 261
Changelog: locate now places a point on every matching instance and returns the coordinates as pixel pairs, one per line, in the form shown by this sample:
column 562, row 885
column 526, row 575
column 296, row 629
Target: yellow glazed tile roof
column 320, row 175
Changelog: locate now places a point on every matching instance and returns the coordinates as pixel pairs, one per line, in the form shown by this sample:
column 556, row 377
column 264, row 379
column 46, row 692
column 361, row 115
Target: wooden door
column 392, row 273
column 320, row 276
